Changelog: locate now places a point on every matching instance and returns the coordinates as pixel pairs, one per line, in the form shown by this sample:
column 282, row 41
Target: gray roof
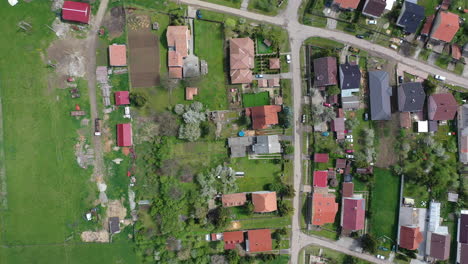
column 239, row 146
column 380, row 92
column 350, row 76
column 114, row 225
column 411, row 97
column 267, row 145
column 411, row 16
column 351, row 102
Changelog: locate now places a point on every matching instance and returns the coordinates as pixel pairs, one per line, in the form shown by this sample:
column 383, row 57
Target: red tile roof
column 122, row 98
column 232, row 238
column 320, row 178
column 76, row 11
column 264, row 116
column 442, row 107
column 321, row 157
column 405, row 119
column 347, row 4
column 262, row 83
column 410, row 237
column 233, row 199
column 264, row 202
column 241, row 54
column 354, row 211
column 117, row 55
column 325, row 208
column 274, row 82
column 348, row 189
column 177, row 38
column 190, row 92
column 259, row 240
column 241, row 76
column 445, row 26
column 275, row 63
column 174, row 59
column 124, row 135
column 175, row 72
column 325, row 71
column 427, row 25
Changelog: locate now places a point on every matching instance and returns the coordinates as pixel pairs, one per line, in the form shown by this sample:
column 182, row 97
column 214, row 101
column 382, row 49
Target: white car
column 349, row 140
column 380, row 257
column 372, row 22
column 440, row 77
column 288, row 58
column 349, row 156
column 349, row 136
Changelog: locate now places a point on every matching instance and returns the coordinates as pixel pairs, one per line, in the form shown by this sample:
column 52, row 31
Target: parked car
column 349, row 156
column 288, row 58
column 350, row 151
column 199, row 14
column 327, row 104
column 349, row 140
column 259, row 76
column 360, row 36
column 393, row 46
column 372, row 22
column 380, row 257
column 400, row 79
column 325, row 134
column 440, row 77
column 451, row 134
column 303, row 118
column 366, row 117
column 349, row 136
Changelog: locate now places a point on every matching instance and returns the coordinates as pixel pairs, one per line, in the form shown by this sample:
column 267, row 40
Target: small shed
column 423, row 126
column 275, row 64
column 275, row 82
column 262, row 83
column 122, row 98
column 114, row 225
column 190, row 92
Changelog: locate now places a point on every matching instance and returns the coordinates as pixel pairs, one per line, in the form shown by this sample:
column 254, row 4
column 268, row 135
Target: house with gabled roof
column 320, row 178
column 346, row 4
column 325, row 71
column 233, row 199
column 439, row 246
column 258, row 240
column 76, row 11
column 350, row 79
column 122, row 98
column 324, row 208
column 241, row 60
column 264, row 201
column 445, row 26
column 411, row 16
column 410, row 237
column 374, row 8
column 178, row 38
column 263, row 116
column 231, row 239
column 380, row 92
column 442, row 107
column 124, row 135
column 411, row 97
column 353, row 213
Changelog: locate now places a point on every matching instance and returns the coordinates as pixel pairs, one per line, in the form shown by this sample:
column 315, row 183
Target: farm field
column 47, row 191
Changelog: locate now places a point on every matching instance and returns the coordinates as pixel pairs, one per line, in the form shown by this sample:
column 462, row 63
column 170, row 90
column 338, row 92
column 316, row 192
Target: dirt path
column 92, row 42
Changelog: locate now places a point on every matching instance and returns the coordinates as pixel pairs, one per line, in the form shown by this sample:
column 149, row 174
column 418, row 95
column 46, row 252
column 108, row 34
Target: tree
column 137, row 99
column 220, row 217
column 249, row 207
column 288, row 149
column 430, row 86
column 369, row 243
column 179, row 109
column 190, row 132
column 350, row 260
column 196, row 106
column 285, row 117
column 285, row 208
column 168, row 125
column 192, row 117
column 333, row 90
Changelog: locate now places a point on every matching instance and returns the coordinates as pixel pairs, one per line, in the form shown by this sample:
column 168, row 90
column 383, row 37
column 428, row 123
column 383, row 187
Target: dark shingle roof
column 410, row 17
column 463, row 227
column 440, row 246
column 374, row 8
column 380, row 93
column 325, row 71
column 411, row 97
column 350, row 76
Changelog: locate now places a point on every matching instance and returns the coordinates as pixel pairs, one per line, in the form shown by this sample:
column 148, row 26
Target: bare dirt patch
column 84, row 153
column 234, row 225
column 387, row 132
column 101, row 236
column 114, row 21
column 67, row 56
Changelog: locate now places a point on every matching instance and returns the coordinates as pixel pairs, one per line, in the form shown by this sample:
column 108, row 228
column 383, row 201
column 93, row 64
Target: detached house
column 325, row 208
column 462, row 238
column 258, row 240
column 263, row 116
column 76, row 11
column 410, row 237
column 442, row 107
column 411, row 16
column 350, row 79
column 264, row 201
column 353, row 213
column 178, row 38
column 233, row 199
column 444, row 27
column 411, row 97
column 241, row 60
column 325, row 72
column 346, row 4
column 380, row 92
column 374, row 8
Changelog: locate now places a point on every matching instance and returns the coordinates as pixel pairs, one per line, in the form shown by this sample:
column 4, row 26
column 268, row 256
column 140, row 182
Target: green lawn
column 258, row 173
column 323, row 42
column 331, row 255
column 429, row 6
column 267, row 7
column 258, row 99
column 230, row 3
column 384, row 204
column 261, row 47
column 273, row 222
column 47, row 191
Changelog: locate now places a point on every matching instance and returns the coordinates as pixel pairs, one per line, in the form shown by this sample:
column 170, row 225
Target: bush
column 137, row 99
column 190, row 132
column 369, row 243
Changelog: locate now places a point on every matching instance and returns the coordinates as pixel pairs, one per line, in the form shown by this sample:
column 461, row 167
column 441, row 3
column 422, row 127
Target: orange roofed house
column 258, row 240
column 231, row 239
column 264, row 202
column 117, row 55
column 346, row 4
column 178, row 38
column 445, row 26
column 410, row 237
column 325, row 208
column 241, row 60
column 263, row 116
column 233, row 199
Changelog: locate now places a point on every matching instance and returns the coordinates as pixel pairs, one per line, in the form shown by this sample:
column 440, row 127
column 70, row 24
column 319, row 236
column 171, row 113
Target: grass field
column 258, row 99
column 230, row 3
column 47, row 191
column 258, row 173
column 261, row 47
column 384, row 204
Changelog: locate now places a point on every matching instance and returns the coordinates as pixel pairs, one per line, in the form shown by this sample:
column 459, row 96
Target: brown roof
column 264, row 202
column 259, row 240
column 405, row 119
column 445, row 26
column 275, row 63
column 456, row 51
column 321, row 157
column 233, row 199
column 410, row 237
column 347, row 4
column 338, row 124
column 348, row 189
column 427, row 25
column 175, row 72
column 174, row 59
column 262, row 83
column 177, row 39
column 340, row 163
column 264, row 116
column 241, row 76
column 463, row 253
column 440, row 246
column 374, row 8
column 117, row 55
column 442, row 107
column 325, row 71
column 274, row 82
column 190, row 92
column 241, row 53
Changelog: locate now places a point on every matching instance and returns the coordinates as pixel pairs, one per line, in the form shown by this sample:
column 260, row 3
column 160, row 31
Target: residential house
column 340, row 163
column 266, row 145
column 442, row 107
column 321, row 158
column 117, row 55
column 233, row 199
column 231, row 239
column 114, row 225
column 240, row 146
column 264, row 201
column 346, row 4
column 241, row 60
column 275, row 64
column 411, row 97
column 445, row 26
column 325, row 71
column 350, row 79
column 353, row 213
column 122, row 98
column 190, row 92
column 348, row 189
column 124, row 135
column 320, row 178
column 380, row 92
column 462, row 238
column 258, row 240
column 264, row 116
column 324, row 208
column 411, row 16
column 374, row 8
column 76, row 11
column 463, row 134
column 178, row 38
column 439, row 246
column 410, row 237
column 338, row 126
column 262, row 83
column 274, row 82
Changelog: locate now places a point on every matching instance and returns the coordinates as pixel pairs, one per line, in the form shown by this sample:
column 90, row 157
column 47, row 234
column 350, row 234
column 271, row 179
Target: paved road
column 91, row 74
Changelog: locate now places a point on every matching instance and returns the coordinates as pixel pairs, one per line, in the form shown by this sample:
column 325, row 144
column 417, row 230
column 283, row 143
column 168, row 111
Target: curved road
column 297, row 34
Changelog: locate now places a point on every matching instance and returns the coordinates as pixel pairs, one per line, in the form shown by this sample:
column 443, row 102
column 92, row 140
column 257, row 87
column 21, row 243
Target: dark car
column 400, row 79
column 360, row 36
